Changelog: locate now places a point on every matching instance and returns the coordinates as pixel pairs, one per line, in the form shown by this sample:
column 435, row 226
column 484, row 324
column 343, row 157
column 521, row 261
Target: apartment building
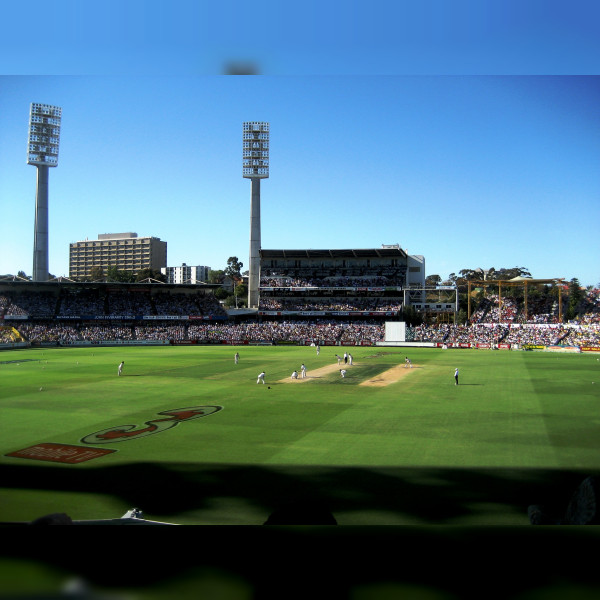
column 186, row 274
column 125, row 251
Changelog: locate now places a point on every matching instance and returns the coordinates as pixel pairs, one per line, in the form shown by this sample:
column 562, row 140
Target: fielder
column 261, row 378
column 121, row 368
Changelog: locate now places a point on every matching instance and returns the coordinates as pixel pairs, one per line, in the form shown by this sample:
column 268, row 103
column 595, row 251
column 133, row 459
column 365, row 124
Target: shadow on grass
column 410, row 496
column 450, row 562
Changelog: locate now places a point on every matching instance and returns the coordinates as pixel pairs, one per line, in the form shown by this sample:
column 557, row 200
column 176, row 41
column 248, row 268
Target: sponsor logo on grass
column 61, row 453
column 123, row 433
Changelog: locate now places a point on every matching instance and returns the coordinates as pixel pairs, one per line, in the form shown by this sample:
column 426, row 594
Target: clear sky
column 466, row 166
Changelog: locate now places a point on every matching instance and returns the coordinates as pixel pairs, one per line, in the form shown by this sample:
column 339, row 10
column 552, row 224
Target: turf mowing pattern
column 521, row 428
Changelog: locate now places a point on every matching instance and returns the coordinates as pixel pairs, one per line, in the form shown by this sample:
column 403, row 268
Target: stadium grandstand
column 335, row 307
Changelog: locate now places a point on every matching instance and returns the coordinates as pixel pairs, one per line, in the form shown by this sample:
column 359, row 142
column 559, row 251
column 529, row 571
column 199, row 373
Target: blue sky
column 468, row 165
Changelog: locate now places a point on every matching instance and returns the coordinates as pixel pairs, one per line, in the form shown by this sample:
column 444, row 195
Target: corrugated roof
column 340, row 253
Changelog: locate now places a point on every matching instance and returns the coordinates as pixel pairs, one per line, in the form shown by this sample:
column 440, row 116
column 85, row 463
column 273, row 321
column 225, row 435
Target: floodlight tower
column 42, row 152
column 256, row 167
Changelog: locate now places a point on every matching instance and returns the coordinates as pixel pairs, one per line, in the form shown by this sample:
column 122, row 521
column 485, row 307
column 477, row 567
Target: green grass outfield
column 521, row 428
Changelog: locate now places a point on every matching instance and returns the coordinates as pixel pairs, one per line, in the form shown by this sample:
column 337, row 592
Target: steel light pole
column 42, row 152
column 255, row 168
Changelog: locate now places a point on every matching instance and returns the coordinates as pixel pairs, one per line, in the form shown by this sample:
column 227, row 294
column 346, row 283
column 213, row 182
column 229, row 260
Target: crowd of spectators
column 92, row 302
column 42, row 304
column 295, row 331
column 7, row 335
column 333, row 281
column 369, row 304
column 516, row 334
column 490, row 323
column 583, row 335
column 590, row 309
column 540, row 336
column 492, row 309
column 360, row 332
column 82, row 302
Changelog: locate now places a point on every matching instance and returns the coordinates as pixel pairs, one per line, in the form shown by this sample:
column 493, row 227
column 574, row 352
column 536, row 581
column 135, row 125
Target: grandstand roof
column 348, row 253
column 64, row 283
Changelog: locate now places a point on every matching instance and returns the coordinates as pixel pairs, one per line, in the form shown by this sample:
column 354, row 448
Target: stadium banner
column 116, row 343
column 590, row 349
column 532, row 347
column 483, row 346
column 533, row 325
column 11, row 345
column 563, row 349
column 328, row 291
column 323, row 313
column 503, row 346
column 165, row 318
column 207, row 318
column 112, row 317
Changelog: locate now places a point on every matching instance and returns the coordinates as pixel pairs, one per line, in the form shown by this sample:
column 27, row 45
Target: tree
column 576, row 295
column 506, row 274
column 234, row 268
column 216, row 276
column 114, row 274
column 96, row 273
column 433, row 280
column 240, row 295
column 221, row 294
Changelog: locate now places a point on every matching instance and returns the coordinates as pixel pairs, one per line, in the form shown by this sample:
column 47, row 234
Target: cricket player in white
column 295, row 375
column 261, row 378
column 343, row 372
column 303, row 370
column 121, row 368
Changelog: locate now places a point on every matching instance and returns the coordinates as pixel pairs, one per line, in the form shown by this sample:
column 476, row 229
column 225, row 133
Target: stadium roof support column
column 255, row 168
column 42, row 152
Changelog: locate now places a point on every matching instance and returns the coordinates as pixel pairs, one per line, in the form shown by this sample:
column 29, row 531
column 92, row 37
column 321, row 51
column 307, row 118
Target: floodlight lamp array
column 44, row 134
column 255, row 149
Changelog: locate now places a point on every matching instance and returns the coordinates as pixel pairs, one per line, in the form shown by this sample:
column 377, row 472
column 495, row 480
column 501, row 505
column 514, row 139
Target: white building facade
column 186, row 274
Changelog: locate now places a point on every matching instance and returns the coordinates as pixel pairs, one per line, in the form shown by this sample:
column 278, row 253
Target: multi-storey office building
column 186, row 274
column 125, row 251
